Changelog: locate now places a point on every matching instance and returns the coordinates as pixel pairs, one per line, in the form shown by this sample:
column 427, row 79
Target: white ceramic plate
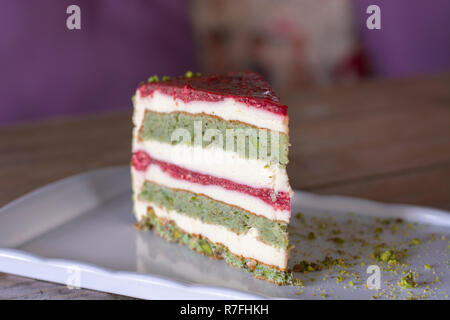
column 79, row 231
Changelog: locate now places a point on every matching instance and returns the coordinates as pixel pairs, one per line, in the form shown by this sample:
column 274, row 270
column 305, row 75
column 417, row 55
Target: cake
column 209, row 156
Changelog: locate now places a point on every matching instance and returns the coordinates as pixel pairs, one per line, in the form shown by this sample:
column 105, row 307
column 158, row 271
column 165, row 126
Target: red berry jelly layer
column 141, row 160
column 245, row 87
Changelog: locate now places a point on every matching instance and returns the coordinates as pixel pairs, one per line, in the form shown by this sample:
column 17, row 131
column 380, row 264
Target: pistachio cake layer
column 261, row 143
column 233, row 195
column 172, row 232
column 201, row 207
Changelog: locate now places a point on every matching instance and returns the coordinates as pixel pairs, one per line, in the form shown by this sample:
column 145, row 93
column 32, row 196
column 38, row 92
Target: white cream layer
column 219, row 163
column 245, row 245
column 227, row 109
column 236, row 198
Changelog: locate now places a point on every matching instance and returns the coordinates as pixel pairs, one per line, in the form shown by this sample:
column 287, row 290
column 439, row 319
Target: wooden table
column 382, row 140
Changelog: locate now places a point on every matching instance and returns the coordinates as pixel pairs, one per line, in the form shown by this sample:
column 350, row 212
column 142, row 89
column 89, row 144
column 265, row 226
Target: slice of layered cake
column 209, row 168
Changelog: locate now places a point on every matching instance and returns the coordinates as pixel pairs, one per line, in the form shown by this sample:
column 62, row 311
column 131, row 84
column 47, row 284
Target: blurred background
column 48, row 71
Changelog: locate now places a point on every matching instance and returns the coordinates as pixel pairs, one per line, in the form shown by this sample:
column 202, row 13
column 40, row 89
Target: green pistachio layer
column 215, row 212
column 171, row 232
column 235, row 136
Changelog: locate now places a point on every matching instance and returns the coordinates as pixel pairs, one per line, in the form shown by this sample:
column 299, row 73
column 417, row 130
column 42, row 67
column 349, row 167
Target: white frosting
column 227, row 109
column 245, row 245
column 219, row 163
column 242, row 200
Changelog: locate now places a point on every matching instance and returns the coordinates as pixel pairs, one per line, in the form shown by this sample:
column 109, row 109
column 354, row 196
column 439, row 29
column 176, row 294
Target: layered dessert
column 209, row 168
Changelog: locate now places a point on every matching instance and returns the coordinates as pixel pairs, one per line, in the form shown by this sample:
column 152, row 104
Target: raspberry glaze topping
column 141, row 160
column 245, row 87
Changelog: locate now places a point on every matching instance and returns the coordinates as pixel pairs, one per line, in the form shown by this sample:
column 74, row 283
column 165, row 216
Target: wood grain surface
column 382, row 140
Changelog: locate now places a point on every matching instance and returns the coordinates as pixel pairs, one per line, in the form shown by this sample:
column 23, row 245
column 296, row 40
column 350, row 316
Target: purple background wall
column 47, row 70
column 414, row 36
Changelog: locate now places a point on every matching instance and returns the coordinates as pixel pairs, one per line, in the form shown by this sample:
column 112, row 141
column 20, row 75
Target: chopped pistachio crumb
column 389, row 256
column 153, row 78
column 165, row 78
column 385, row 256
column 189, row 74
column 205, row 246
column 408, row 281
column 337, row 240
column 311, row 236
column 427, row 267
column 298, row 283
column 303, row 266
column 415, row 242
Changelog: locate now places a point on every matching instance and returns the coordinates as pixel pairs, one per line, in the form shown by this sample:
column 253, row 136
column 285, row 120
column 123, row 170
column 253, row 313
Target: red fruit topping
column 245, row 87
column 281, row 201
column 140, row 160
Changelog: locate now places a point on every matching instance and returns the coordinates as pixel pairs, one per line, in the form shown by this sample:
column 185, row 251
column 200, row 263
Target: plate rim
column 14, row 258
